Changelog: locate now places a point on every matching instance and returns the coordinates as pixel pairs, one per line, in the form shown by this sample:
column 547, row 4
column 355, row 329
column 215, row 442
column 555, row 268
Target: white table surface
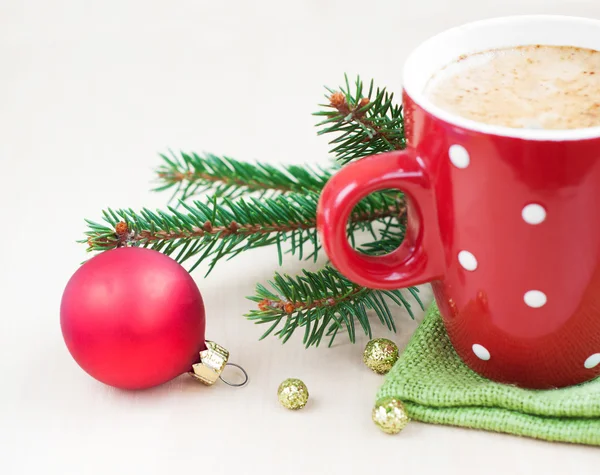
column 90, row 92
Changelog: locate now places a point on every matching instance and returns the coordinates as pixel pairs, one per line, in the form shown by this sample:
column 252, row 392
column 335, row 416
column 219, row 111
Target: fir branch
column 280, row 210
column 224, row 228
column 388, row 239
column 190, row 174
column 367, row 122
column 322, row 303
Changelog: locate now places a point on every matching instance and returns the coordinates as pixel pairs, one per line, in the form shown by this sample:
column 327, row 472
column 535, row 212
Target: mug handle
column 419, row 258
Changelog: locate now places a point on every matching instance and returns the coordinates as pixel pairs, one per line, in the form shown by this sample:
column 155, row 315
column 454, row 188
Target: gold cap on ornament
column 212, row 363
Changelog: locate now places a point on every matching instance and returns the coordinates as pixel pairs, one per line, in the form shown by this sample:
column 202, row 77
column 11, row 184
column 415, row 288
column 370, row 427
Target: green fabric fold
column 437, row 387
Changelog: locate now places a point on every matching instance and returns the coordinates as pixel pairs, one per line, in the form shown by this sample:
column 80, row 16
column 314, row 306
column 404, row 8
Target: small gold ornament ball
column 293, row 394
column 390, row 415
column 380, row 355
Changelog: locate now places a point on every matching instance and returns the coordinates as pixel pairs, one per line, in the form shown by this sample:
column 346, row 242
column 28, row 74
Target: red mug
column 504, row 222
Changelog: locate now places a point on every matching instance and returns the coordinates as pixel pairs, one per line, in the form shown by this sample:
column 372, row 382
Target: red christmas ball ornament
column 133, row 318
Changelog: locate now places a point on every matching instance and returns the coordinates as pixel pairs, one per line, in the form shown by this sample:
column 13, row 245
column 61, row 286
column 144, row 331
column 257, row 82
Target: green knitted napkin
column 437, row 387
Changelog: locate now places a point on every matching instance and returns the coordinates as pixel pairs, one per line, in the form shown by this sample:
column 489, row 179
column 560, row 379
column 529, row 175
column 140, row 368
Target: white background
column 90, row 92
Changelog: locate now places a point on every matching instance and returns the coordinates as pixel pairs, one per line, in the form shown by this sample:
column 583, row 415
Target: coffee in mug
column 536, row 86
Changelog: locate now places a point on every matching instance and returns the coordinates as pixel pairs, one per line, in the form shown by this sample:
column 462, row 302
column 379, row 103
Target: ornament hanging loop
column 213, row 361
column 236, row 385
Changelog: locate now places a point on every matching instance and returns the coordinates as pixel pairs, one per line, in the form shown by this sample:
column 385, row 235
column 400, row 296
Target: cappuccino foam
column 543, row 87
